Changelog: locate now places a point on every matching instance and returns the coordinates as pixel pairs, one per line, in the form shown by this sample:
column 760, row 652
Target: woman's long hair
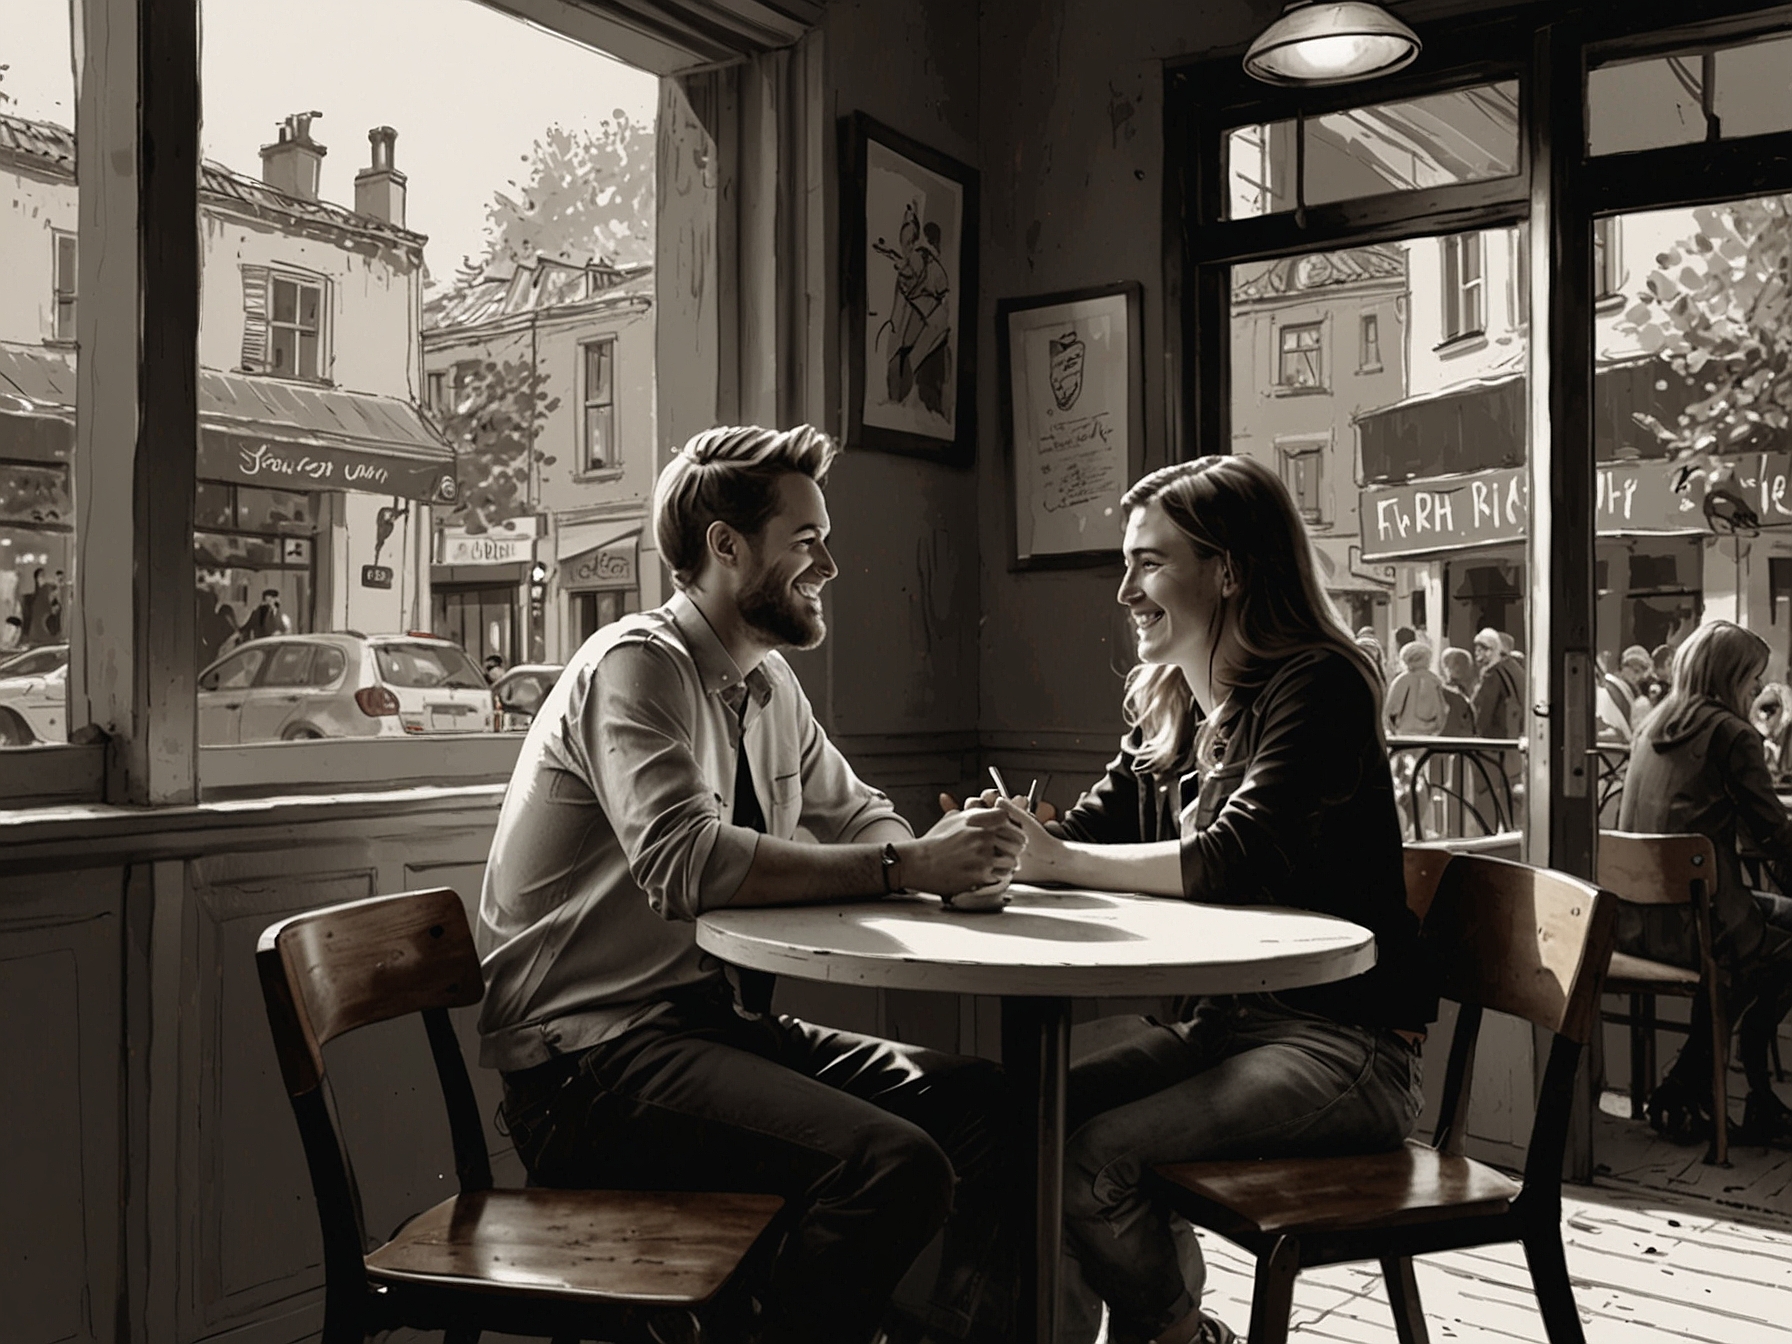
column 1714, row 666
column 1237, row 508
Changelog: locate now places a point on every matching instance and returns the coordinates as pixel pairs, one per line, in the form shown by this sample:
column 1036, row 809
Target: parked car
column 288, row 687
column 34, row 695
column 519, row 692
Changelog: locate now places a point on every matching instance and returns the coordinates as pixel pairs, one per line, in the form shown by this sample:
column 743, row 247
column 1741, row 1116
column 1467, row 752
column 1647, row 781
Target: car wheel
column 303, row 735
column 13, row 732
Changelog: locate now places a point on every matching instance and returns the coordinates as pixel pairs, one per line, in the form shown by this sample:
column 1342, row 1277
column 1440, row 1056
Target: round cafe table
column 1046, row 948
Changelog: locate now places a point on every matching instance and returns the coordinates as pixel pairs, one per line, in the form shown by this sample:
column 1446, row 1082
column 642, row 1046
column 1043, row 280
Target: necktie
column 752, row 989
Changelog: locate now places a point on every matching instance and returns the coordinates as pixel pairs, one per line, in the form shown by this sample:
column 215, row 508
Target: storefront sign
column 376, row 576
column 611, row 566
column 231, row 455
column 1629, row 498
column 460, row 549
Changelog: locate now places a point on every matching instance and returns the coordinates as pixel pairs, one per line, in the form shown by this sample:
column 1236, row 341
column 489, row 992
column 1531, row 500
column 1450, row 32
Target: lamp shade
column 1330, row 42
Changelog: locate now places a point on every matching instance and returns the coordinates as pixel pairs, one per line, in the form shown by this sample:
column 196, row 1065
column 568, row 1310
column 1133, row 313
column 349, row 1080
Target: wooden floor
column 1661, row 1247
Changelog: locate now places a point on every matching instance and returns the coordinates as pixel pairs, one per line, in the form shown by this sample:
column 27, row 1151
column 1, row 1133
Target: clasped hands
column 1020, row 848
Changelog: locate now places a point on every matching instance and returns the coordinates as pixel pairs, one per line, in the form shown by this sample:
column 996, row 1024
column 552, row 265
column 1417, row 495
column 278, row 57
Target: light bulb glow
column 1330, row 43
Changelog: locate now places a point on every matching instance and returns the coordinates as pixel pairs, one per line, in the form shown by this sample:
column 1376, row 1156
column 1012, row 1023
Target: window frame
column 1368, row 337
column 65, row 286
column 612, row 467
column 1291, row 451
column 301, row 281
column 1292, row 387
column 1460, row 292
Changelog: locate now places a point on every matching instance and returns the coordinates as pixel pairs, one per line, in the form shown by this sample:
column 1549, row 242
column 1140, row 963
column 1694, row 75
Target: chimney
column 379, row 188
column 293, row 162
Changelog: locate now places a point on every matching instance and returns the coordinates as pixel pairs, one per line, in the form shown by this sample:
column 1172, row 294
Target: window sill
column 50, row 774
column 599, row 477
column 1461, row 345
column 1284, row 390
column 1373, row 368
column 1608, row 303
column 342, row 765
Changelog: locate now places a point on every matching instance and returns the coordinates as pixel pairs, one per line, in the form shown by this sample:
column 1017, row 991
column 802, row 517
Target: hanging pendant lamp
column 1330, row 42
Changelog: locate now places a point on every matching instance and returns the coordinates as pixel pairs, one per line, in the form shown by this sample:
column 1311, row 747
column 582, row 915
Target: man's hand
column 965, row 849
column 989, row 798
column 1043, row 854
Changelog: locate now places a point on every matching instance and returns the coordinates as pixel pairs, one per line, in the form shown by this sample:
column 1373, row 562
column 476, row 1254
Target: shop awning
column 290, row 436
column 259, row 431
column 608, row 562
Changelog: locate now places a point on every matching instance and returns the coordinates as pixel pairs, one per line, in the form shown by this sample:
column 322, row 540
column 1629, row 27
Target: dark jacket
column 1499, row 701
column 1299, row 812
column 1710, row 779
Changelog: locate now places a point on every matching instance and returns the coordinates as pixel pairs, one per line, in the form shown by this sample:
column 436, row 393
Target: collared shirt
column 615, row 833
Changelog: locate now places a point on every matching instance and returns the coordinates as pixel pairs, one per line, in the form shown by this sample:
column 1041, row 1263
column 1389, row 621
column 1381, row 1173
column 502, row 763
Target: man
column 1635, row 668
column 266, row 619
column 666, row 774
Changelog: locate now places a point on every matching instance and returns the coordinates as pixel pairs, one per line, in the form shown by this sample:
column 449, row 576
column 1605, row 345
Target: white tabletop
column 1059, row 943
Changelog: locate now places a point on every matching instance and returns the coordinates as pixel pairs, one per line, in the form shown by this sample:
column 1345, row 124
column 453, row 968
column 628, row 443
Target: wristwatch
column 892, row 870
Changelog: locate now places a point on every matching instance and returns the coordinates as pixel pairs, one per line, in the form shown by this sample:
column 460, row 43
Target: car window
column 33, row 664
column 327, row 665
column 290, row 665
column 525, row 693
column 427, row 665
column 234, row 673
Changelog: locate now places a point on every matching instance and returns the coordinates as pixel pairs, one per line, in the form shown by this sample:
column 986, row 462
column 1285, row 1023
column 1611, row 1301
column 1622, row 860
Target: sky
column 467, row 89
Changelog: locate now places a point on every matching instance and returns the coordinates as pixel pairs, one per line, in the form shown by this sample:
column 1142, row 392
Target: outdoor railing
column 1452, row 788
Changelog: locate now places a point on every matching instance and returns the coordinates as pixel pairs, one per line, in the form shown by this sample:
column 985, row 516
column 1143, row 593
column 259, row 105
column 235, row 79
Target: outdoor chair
column 1503, row 936
column 568, row 1264
column 1656, row 870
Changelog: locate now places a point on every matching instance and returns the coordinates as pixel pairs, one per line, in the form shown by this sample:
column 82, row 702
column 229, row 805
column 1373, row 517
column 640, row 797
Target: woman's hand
column 1045, row 856
column 989, row 798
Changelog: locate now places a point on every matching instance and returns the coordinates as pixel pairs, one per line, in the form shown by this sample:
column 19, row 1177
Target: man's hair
column 1490, row 638
column 1415, row 653
column 266, row 593
column 1636, row 656
column 729, row 474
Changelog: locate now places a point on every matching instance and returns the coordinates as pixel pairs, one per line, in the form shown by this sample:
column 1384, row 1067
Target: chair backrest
column 1424, row 870
column 1533, row 943
column 1655, row 869
column 329, row 971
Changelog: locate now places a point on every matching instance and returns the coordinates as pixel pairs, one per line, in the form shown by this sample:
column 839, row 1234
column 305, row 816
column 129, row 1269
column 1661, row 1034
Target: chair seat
column 1653, row 977
column 598, row 1246
column 1278, row 1196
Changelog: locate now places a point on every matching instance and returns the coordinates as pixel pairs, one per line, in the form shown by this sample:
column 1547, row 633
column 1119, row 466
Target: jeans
column 1242, row 1078
column 1758, row 998
column 871, row 1143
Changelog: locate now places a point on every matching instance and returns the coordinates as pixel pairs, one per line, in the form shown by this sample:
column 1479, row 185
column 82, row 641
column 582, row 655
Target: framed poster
column 1073, row 400
column 909, row 248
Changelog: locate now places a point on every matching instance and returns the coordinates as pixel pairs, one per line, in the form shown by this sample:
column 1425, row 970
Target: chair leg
column 1718, row 1153
column 1272, row 1300
column 1639, row 1094
column 1549, row 1277
column 1403, row 1297
column 1647, row 1015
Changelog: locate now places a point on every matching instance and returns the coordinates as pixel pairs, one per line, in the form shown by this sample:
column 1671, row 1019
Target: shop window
column 1779, row 584
column 1464, row 288
column 1301, row 365
column 65, row 286
column 598, row 391
column 1369, row 344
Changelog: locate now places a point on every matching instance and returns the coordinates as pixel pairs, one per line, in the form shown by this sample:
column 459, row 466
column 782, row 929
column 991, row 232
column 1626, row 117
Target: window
column 65, row 285
column 437, row 391
column 598, row 389
column 1303, row 471
column 289, row 666
column 1698, row 94
column 1463, row 287
column 1607, row 263
column 236, row 673
column 295, row 328
column 1302, row 363
column 1369, row 344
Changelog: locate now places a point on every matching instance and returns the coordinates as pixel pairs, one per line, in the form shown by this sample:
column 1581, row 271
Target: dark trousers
column 1759, row 997
column 871, row 1143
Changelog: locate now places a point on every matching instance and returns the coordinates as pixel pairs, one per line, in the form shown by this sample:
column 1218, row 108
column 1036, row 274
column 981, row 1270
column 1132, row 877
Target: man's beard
column 773, row 608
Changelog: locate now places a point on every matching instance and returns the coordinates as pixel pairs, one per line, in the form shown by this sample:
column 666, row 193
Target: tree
column 586, row 196
column 1718, row 311
column 498, row 411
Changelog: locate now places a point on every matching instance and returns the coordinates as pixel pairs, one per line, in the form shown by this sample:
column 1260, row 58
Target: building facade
column 544, row 548
column 317, row 467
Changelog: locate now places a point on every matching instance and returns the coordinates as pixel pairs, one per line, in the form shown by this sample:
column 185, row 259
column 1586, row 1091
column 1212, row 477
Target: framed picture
column 909, row 248
column 1073, row 403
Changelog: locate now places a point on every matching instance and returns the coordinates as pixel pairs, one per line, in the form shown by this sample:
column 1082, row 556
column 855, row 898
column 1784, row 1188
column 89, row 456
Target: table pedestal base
column 1036, row 1056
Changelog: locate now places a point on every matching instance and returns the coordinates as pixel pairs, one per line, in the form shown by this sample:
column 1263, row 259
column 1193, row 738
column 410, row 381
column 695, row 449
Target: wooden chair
column 571, row 1264
column 1659, row 870
column 1502, row 936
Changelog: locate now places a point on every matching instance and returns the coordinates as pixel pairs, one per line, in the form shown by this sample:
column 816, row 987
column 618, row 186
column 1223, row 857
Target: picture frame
column 1071, row 373
column 908, row 245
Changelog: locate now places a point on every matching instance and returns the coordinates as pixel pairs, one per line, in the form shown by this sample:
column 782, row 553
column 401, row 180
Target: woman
column 1697, row 765
column 1281, row 795
column 1416, row 706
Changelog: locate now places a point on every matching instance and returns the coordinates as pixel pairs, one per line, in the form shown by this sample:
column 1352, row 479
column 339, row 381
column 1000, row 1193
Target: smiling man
column 666, row 774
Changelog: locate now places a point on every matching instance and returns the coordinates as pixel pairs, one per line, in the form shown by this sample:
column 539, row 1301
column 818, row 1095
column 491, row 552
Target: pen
column 1033, row 795
column 1001, row 784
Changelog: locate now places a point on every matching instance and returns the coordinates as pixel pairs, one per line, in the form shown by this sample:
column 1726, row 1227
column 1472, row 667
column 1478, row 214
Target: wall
column 31, row 205
column 371, row 319
column 901, row 663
